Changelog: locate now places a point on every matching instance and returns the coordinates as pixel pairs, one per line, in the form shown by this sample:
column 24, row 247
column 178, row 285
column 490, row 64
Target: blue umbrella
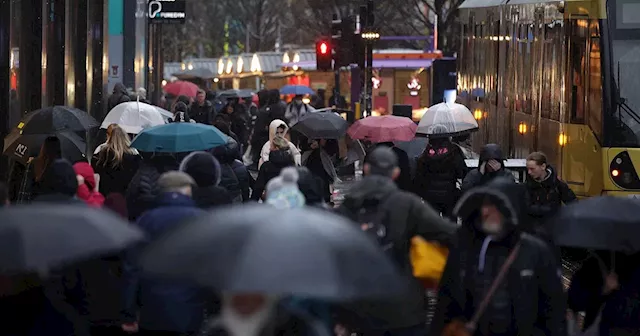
column 179, row 137
column 296, row 90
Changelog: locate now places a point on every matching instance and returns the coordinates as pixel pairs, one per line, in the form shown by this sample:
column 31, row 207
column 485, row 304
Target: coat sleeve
column 552, row 305
column 450, row 305
column 259, row 186
column 297, row 157
column 471, row 180
column 566, row 194
column 427, row 223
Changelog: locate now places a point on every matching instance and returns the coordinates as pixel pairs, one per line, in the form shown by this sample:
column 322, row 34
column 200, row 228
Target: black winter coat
column 278, row 160
column 534, row 293
column 406, row 216
column 547, row 196
column 143, row 192
column 202, row 114
column 235, row 176
column 437, row 173
column 475, row 178
column 211, row 197
column 115, row 179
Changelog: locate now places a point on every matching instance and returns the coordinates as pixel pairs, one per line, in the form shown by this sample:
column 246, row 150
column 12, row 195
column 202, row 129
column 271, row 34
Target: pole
column 336, row 87
column 368, row 81
column 5, row 51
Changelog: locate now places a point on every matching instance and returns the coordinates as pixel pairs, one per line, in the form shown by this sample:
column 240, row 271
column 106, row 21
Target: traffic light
column 324, row 55
column 345, row 46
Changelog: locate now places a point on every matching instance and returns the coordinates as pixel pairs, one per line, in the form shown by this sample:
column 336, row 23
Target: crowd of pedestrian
column 501, row 275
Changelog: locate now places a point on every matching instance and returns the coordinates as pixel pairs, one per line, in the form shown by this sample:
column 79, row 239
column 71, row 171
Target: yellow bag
column 428, row 260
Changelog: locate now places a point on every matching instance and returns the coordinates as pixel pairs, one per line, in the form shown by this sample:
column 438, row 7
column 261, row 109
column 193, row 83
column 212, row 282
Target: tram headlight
column 522, row 127
column 623, row 172
column 562, row 139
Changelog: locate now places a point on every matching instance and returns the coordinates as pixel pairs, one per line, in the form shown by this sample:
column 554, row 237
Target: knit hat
column 59, row 178
column 203, row 167
column 283, row 192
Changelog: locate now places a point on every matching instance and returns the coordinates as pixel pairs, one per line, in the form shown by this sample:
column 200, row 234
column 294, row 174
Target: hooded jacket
column 142, row 192
column 266, row 148
column 235, row 176
column 547, row 196
column 87, row 191
column 530, row 301
column 407, row 216
column 119, row 95
column 438, row 170
column 476, row 177
column 205, row 169
column 58, row 184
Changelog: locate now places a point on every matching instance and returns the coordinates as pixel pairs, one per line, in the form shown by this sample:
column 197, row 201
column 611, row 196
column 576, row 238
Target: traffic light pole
column 336, row 88
column 368, row 83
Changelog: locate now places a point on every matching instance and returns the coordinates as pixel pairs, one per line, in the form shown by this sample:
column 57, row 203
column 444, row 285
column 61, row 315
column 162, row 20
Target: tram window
column 595, row 87
column 508, row 79
column 578, row 70
column 525, row 67
column 551, row 85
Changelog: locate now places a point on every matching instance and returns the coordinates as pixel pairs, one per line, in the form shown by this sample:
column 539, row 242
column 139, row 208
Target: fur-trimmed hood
column 509, row 197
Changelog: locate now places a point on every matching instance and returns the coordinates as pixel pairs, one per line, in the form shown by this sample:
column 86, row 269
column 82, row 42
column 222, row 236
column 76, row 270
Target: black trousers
column 107, row 331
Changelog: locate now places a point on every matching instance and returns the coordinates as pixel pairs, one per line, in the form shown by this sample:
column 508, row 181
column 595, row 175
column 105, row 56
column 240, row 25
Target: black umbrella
column 233, row 93
column 37, row 238
column 599, row 223
column 57, row 118
column 322, row 125
column 260, row 249
column 21, row 147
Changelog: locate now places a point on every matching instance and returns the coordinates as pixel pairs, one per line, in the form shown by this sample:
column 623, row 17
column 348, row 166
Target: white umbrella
column 446, row 119
column 135, row 116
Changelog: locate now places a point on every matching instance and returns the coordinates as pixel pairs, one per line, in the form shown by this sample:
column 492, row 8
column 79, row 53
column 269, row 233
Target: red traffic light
column 324, row 48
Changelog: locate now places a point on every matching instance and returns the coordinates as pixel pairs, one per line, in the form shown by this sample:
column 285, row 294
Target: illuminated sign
column 167, row 11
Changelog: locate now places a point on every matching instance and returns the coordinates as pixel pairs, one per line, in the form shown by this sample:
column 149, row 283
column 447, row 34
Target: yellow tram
column 562, row 77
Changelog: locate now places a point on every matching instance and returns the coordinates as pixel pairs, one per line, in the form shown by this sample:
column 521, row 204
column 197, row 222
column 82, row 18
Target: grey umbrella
column 36, row 238
column 260, row 249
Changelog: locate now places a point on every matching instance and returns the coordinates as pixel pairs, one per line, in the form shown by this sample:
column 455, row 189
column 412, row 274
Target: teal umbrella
column 179, row 137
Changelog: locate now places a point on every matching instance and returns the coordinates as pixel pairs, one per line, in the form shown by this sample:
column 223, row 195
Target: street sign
column 167, row 11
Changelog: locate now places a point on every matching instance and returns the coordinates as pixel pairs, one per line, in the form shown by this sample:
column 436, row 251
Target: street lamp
column 370, row 36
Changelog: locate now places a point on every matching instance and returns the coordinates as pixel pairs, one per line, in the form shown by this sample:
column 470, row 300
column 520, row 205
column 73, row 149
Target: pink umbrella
column 383, row 129
column 181, row 88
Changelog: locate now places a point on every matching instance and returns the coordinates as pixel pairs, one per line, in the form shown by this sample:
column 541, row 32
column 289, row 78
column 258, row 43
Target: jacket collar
column 175, row 199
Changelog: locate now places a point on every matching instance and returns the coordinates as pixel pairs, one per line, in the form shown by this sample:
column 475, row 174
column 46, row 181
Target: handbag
column 428, row 260
column 461, row 328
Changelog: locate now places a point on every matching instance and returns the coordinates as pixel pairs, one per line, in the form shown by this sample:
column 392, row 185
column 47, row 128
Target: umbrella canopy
column 233, row 93
column 202, row 73
column 181, row 88
column 383, row 129
column 57, row 118
column 36, row 238
column 599, row 223
column 322, row 125
column 179, row 137
column 21, row 147
column 133, row 117
column 446, row 119
column 296, row 90
column 260, row 249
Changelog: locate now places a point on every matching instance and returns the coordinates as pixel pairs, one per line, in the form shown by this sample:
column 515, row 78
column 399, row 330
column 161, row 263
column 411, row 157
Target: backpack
column 373, row 219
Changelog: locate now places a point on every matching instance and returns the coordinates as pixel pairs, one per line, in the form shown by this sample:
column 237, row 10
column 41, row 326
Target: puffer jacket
column 475, row 178
column 143, row 192
column 547, row 196
column 437, row 172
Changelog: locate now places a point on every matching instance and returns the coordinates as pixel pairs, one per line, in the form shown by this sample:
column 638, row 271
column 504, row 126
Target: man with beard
column 498, row 280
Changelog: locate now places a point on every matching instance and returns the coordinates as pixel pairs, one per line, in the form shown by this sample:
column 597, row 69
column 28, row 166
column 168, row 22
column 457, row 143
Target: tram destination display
column 167, row 11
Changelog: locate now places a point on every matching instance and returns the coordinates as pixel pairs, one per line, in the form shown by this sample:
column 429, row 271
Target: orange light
column 477, row 114
column 562, row 139
column 324, row 48
column 615, row 173
column 522, row 128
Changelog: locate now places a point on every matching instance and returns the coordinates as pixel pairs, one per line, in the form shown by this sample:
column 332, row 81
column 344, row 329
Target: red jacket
column 88, row 191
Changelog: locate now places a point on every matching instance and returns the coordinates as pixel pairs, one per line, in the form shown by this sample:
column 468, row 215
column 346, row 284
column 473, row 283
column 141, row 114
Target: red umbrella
column 181, row 88
column 383, row 129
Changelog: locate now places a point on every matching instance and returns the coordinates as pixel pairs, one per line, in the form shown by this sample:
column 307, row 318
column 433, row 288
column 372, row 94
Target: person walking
column 499, row 280
column 155, row 306
column 490, row 166
column 143, row 190
column 278, row 128
column 205, row 170
column 116, row 162
column 119, row 95
column 438, row 170
column 296, row 110
column 393, row 217
column 547, row 192
column 279, row 158
column 202, row 109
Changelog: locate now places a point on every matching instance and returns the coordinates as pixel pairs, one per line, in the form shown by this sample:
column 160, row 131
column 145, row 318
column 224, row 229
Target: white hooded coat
column 266, row 148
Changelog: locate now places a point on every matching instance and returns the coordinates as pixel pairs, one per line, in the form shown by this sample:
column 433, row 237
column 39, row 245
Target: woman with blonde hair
column 116, row 162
